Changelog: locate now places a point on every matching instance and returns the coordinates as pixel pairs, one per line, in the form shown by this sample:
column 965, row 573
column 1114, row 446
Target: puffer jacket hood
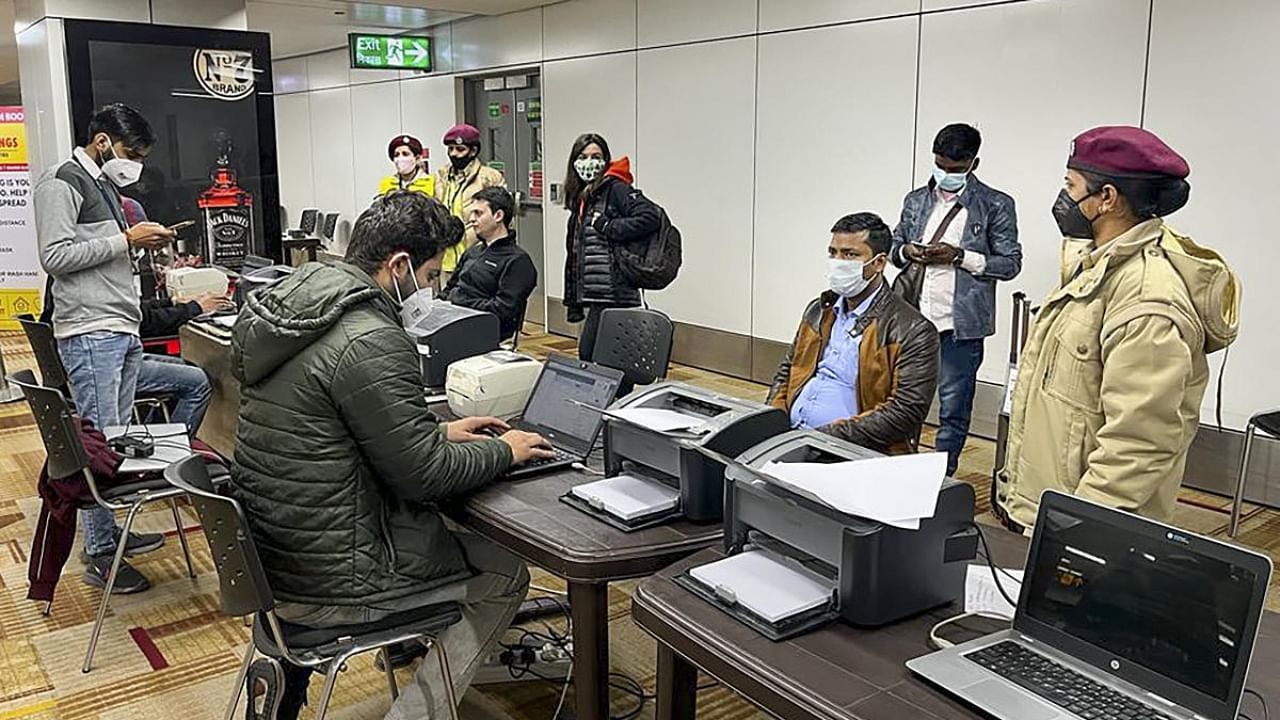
column 621, row 169
column 281, row 322
column 1212, row 285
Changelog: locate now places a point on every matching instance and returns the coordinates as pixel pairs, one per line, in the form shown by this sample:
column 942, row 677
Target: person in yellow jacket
column 458, row 182
column 411, row 168
column 1107, row 399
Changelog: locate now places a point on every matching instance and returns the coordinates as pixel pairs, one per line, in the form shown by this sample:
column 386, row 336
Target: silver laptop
column 1119, row 617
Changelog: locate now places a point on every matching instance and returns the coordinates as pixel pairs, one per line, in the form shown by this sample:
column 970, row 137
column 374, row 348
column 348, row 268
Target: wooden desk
column 528, row 518
column 839, row 672
column 213, row 354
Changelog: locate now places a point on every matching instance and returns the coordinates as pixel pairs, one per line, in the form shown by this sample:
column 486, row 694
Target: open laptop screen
column 556, row 409
column 1173, row 604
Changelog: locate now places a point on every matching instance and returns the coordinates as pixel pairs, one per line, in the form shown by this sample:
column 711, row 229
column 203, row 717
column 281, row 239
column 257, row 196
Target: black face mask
column 1070, row 218
column 460, row 163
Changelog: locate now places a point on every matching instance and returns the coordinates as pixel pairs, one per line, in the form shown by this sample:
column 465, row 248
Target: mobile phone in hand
column 181, row 225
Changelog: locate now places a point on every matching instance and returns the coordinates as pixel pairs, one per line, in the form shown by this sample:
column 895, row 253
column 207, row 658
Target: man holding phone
column 956, row 238
column 87, row 246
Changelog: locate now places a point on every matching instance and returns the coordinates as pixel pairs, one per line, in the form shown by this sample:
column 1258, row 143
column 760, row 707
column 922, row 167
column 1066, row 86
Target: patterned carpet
column 169, row 653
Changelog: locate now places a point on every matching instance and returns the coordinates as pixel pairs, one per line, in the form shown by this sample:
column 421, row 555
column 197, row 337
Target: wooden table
column 839, row 672
column 528, row 518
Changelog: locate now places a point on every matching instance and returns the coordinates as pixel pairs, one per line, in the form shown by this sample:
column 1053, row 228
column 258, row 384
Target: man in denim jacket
column 957, row 237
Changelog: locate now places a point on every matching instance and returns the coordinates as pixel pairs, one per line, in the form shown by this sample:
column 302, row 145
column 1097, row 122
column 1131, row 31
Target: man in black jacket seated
column 495, row 275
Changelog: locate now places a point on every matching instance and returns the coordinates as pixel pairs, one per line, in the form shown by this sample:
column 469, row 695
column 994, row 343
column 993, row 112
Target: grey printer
column 881, row 573
column 450, row 333
column 728, row 426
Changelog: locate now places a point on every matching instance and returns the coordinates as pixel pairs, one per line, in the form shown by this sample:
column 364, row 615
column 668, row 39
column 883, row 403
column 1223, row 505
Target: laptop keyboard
column 1060, row 685
column 561, row 456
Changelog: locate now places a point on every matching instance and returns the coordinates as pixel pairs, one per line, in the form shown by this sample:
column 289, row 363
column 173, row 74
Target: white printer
column 497, row 383
column 188, row 283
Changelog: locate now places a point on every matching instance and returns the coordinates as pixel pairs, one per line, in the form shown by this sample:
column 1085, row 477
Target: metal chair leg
column 111, row 583
column 1237, row 501
column 182, row 536
column 330, row 680
column 391, row 674
column 449, row 694
column 239, row 684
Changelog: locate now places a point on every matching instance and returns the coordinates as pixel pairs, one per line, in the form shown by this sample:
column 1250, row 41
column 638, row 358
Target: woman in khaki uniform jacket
column 1109, row 388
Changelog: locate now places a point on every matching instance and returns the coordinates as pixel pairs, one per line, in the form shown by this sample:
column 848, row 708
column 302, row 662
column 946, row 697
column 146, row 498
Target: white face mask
column 847, row 278
column 405, row 164
column 588, row 168
column 417, row 305
column 121, row 172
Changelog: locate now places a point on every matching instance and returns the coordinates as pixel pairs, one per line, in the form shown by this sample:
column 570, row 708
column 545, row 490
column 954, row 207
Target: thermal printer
column 637, row 444
column 495, row 384
column 865, row 572
column 449, row 333
column 187, row 283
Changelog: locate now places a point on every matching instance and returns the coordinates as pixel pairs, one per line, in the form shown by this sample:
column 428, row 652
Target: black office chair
column 53, row 374
column 636, row 341
column 514, row 341
column 308, row 221
column 329, row 228
column 66, row 456
column 245, row 591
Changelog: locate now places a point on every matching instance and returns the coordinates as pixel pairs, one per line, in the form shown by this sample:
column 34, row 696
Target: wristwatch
column 959, row 257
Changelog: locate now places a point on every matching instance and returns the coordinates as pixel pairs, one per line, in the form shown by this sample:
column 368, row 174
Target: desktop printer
column 188, row 283
column 495, row 384
column 725, row 425
column 875, row 573
column 449, row 333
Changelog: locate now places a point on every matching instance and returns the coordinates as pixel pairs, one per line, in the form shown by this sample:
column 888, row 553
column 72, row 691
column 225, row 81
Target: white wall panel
column 294, row 154
column 827, row 145
column 596, row 94
column 511, row 39
column 694, row 132
column 331, row 153
column 223, row 14
column 441, row 53
column 46, row 100
column 428, row 107
column 289, row 76
column 583, row 27
column 929, row 5
column 375, row 113
column 665, row 22
column 786, row 14
column 1035, row 75
column 328, row 70
column 1205, row 100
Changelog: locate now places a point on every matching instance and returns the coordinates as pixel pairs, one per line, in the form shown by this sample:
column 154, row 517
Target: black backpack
column 652, row 262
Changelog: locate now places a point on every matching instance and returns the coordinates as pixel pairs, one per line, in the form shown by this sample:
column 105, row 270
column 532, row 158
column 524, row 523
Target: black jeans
column 590, row 329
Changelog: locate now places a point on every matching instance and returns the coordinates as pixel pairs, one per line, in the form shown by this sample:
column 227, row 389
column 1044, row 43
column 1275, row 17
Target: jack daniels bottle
column 227, row 211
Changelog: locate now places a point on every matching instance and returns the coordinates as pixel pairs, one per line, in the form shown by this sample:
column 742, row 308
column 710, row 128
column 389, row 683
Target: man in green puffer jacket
column 341, row 467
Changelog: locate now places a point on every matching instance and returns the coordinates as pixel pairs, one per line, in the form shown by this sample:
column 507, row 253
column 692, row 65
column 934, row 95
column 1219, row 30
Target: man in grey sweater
column 87, row 247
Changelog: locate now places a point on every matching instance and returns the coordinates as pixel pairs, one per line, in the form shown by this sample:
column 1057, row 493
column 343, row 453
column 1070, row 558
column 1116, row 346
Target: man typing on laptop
column 340, row 466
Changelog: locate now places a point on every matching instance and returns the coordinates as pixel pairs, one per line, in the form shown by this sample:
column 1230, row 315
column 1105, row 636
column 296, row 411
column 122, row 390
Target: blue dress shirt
column 832, row 393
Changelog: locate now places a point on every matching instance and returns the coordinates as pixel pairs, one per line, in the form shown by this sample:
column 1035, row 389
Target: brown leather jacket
column 897, row 370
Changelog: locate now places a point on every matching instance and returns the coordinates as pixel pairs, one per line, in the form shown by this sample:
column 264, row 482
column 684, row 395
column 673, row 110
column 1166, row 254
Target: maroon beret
column 462, row 135
column 414, row 144
column 1124, row 151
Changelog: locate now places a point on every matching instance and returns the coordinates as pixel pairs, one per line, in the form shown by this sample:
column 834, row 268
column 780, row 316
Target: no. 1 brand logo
column 225, row 74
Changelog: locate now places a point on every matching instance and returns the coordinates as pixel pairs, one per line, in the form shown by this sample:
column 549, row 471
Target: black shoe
column 402, row 655
column 138, row 544
column 264, row 686
column 128, row 580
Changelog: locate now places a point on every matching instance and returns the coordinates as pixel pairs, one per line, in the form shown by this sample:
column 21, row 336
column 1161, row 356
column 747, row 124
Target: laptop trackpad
column 1009, row 702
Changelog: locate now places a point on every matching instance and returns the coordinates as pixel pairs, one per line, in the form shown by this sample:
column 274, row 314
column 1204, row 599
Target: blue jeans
column 188, row 384
column 957, row 381
column 102, row 368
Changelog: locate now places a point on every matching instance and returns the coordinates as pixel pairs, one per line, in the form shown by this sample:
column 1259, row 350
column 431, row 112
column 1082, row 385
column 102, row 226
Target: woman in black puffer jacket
column 604, row 210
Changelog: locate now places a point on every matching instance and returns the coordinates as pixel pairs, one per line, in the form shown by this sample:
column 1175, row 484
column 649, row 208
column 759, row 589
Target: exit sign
column 390, row 52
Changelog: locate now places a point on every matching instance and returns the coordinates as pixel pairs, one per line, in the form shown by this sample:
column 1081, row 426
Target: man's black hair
column 878, row 235
column 958, row 142
column 402, row 221
column 498, row 199
column 122, row 124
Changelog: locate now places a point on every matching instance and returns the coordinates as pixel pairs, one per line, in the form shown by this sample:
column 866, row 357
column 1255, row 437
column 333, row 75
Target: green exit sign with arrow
column 389, row 52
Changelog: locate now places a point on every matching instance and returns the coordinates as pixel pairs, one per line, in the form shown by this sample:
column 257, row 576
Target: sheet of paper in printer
column 898, row 490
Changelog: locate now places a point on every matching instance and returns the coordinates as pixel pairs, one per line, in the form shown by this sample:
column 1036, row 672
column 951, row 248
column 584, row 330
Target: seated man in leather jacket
column 864, row 364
